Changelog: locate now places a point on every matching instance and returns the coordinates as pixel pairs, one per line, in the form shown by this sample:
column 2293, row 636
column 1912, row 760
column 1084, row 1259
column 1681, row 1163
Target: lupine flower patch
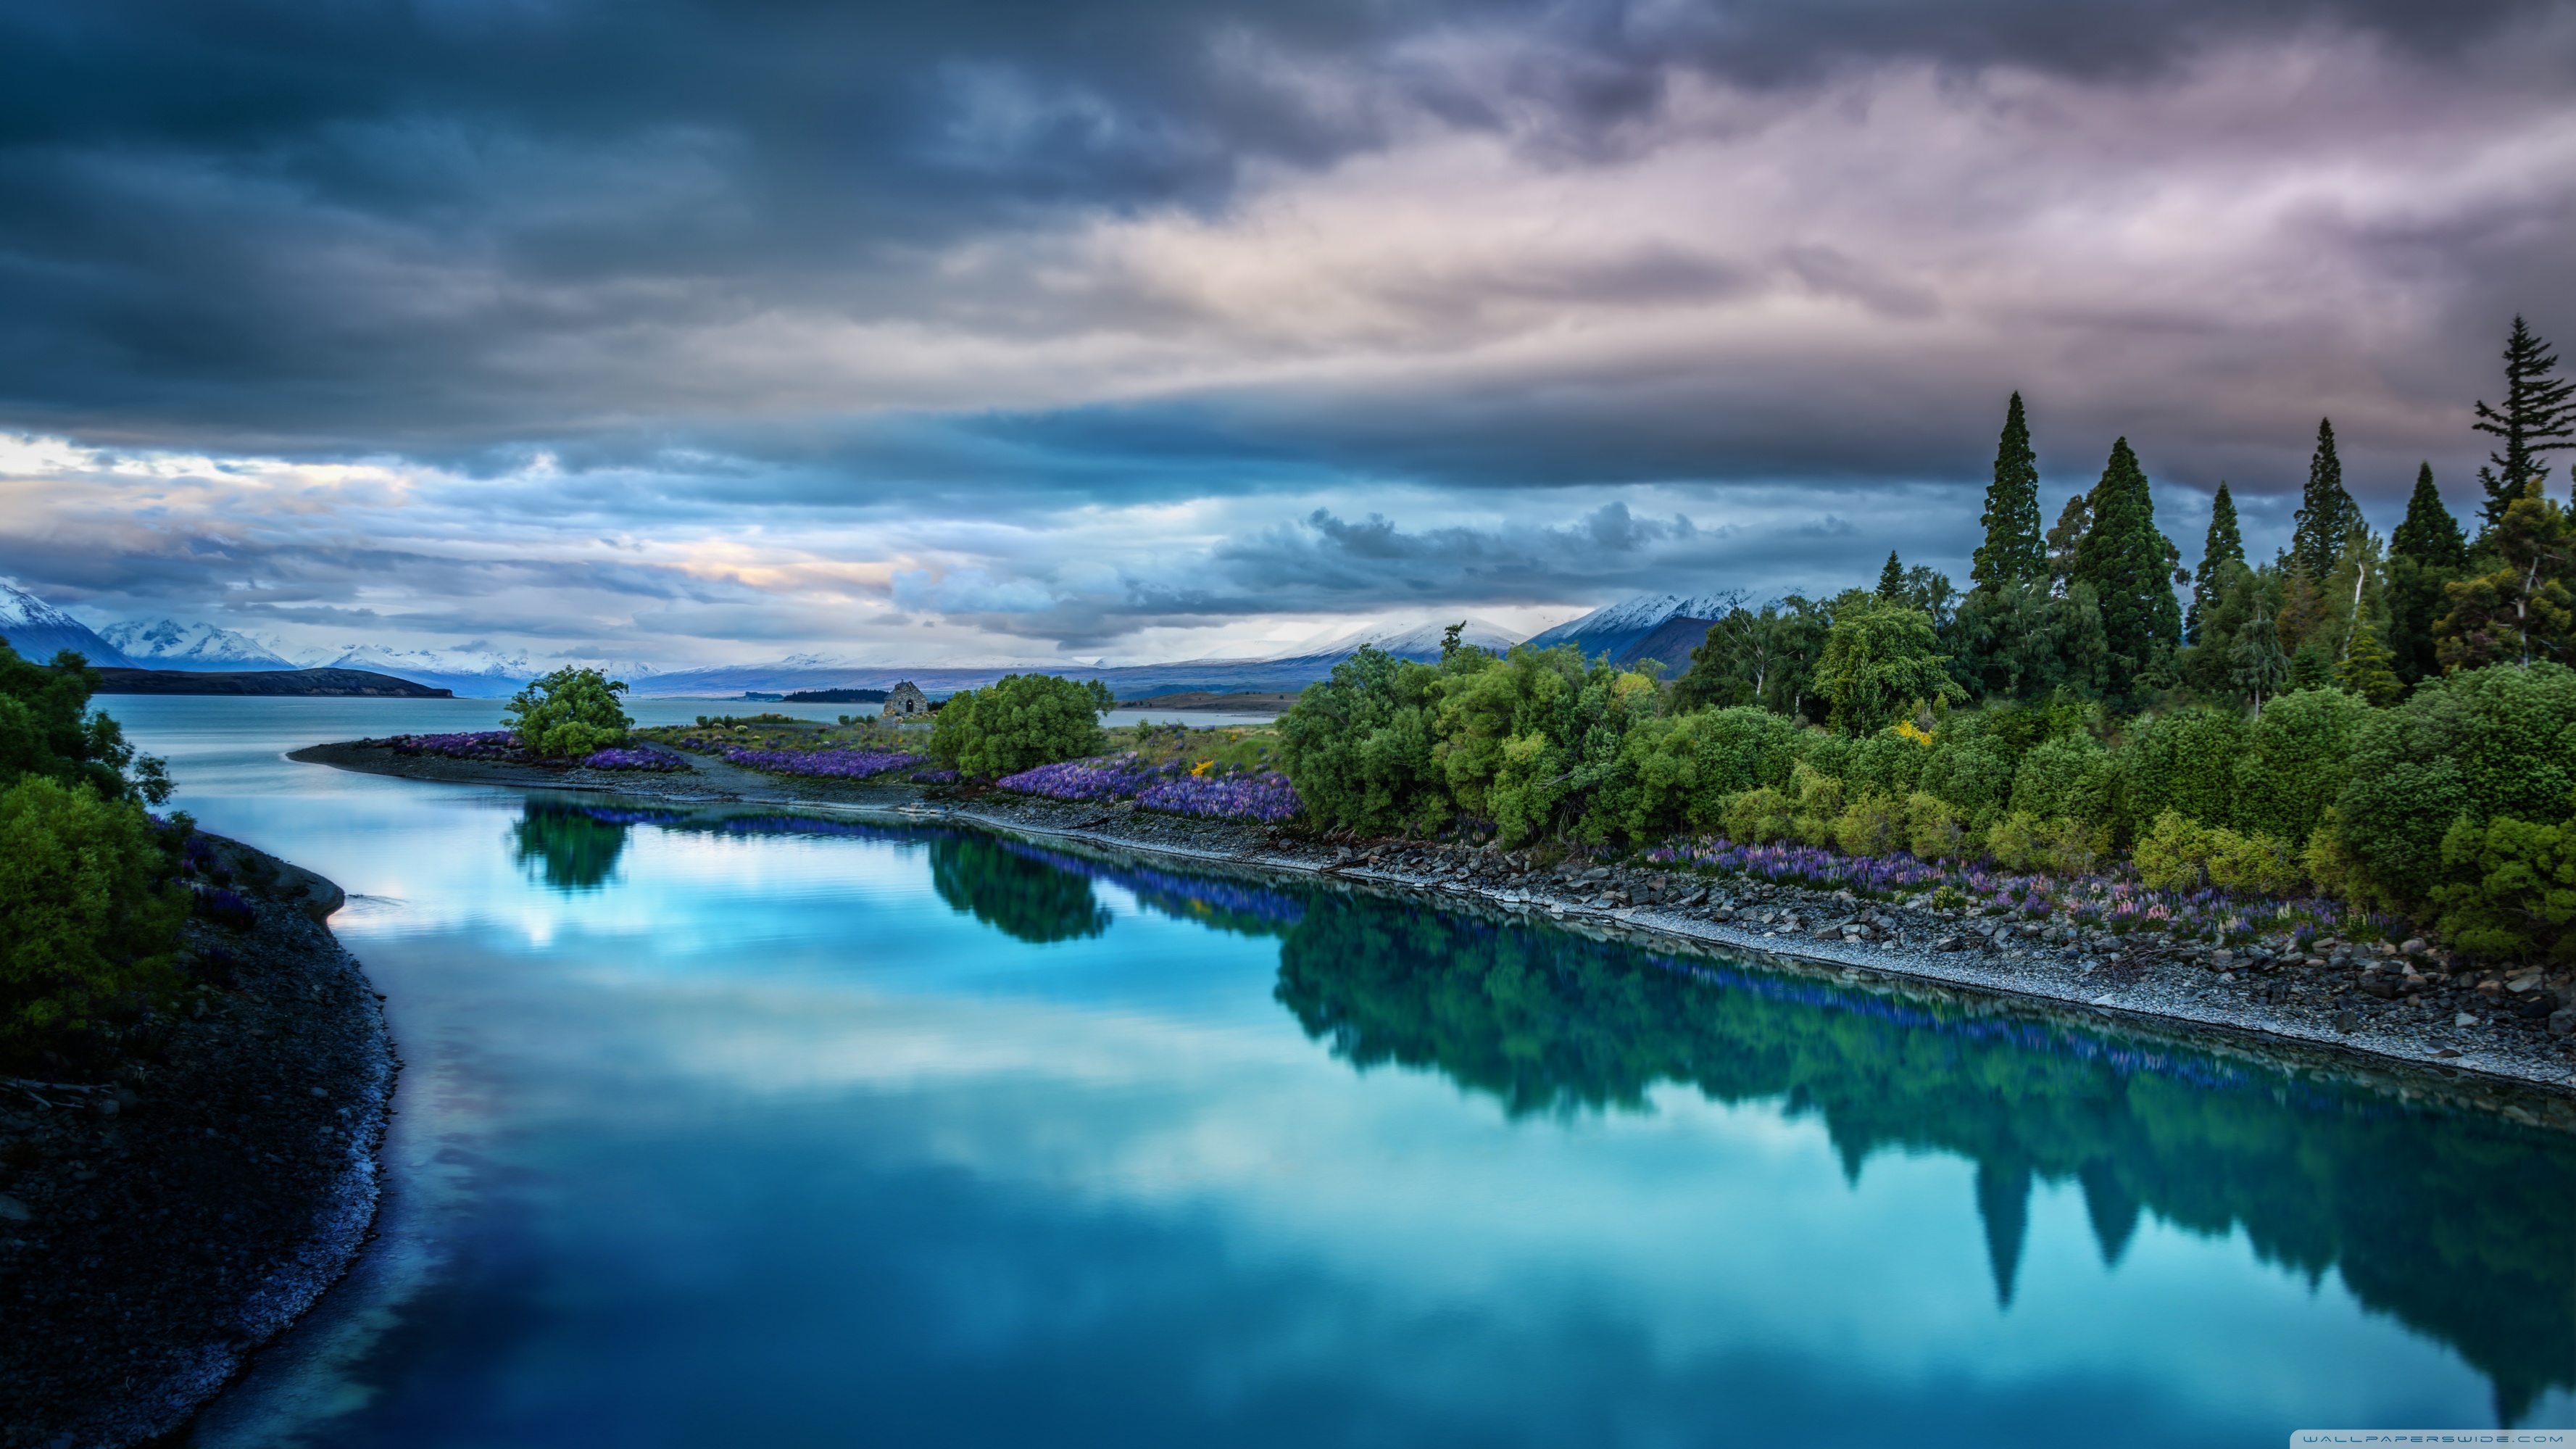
column 823, row 764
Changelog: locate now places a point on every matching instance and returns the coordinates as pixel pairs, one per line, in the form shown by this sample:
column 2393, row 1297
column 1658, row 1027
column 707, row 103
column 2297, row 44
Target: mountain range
column 1662, row 626
column 199, row 648
column 38, row 630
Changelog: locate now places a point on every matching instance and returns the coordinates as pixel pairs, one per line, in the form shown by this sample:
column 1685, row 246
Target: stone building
column 906, row 701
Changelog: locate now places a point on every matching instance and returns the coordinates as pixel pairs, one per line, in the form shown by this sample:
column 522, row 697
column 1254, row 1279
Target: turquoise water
column 758, row 1131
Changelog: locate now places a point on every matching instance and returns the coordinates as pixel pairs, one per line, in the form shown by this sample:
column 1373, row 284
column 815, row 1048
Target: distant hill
column 39, row 631
column 1672, row 643
column 169, row 644
column 835, row 696
column 336, row 683
column 1614, row 628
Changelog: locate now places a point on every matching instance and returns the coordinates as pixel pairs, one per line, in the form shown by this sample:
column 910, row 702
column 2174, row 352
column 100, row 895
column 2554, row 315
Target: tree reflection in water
column 2458, row 1223
column 571, row 848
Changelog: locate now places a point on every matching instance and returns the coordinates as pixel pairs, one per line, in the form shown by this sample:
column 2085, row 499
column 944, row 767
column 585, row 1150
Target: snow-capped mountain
column 169, row 644
column 472, row 673
column 38, row 630
column 1416, row 641
column 1613, row 627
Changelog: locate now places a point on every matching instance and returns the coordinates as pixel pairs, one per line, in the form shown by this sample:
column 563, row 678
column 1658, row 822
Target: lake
column 766, row 1130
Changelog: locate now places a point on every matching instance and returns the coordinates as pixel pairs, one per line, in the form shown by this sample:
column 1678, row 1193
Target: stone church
column 906, row 701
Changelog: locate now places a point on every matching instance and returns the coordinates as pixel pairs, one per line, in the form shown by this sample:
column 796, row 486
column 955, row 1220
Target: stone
column 2414, row 946
column 2529, row 980
column 2464, row 1019
column 14, row 1211
column 2347, row 1020
column 2562, row 1022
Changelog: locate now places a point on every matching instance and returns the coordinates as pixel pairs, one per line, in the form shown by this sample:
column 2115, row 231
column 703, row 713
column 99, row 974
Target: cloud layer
column 694, row 330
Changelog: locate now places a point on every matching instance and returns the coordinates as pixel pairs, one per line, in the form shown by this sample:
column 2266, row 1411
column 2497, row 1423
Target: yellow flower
column 1911, row 731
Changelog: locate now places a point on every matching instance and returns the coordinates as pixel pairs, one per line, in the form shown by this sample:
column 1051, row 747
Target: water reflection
column 2456, row 1223
column 569, row 848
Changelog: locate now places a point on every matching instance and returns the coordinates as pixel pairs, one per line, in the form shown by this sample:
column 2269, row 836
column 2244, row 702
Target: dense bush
column 89, row 912
column 1019, row 722
column 569, row 712
column 89, row 907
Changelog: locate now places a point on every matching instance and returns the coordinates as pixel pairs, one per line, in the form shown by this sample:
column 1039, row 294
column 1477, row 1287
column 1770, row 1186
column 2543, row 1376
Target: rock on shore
column 159, row 1224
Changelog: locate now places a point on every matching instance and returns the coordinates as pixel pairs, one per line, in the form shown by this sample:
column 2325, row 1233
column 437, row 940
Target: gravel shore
column 2414, row 1009
column 159, row 1225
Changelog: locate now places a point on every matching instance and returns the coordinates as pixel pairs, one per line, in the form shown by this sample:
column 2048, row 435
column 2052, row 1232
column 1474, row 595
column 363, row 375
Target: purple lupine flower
column 620, row 758
column 823, row 764
column 1266, row 797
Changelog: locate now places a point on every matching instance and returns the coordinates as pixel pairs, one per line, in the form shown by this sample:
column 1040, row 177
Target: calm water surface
column 766, row 1131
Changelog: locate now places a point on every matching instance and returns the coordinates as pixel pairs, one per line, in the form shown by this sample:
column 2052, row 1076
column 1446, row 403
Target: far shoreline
column 2164, row 998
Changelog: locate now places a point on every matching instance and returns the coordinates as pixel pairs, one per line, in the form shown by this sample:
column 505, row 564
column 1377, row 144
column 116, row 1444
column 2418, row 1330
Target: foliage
column 89, row 913
column 2538, row 417
column 2225, row 544
column 2130, row 566
column 2513, row 886
column 1359, row 746
column 570, row 849
column 2013, row 551
column 2327, row 511
column 47, row 728
column 1014, row 889
column 1879, row 662
column 569, row 712
column 2523, row 609
column 1019, row 722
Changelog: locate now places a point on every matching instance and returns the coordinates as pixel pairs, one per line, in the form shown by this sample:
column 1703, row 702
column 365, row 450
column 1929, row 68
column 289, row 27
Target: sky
column 1063, row 330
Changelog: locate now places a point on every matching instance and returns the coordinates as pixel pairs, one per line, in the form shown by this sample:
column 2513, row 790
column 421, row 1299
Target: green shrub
column 2297, row 761
column 1880, row 660
column 2014, row 841
column 2513, row 891
column 1019, row 722
column 2486, row 743
column 47, row 728
column 2183, row 761
column 569, row 712
column 1933, row 830
column 1872, row 825
column 2069, row 776
column 2173, row 853
column 89, row 914
column 1761, row 816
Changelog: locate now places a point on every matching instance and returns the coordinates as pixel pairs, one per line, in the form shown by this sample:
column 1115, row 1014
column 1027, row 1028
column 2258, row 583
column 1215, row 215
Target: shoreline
column 2314, row 1017
column 159, row 1227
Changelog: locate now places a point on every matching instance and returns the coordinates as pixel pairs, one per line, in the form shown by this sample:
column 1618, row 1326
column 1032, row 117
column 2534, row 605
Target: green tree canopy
column 2013, row 549
column 2129, row 564
column 2538, row 418
column 572, row 711
column 2327, row 511
column 1880, row 660
column 2225, row 544
column 2524, row 609
column 1891, row 580
column 1019, row 722
column 47, row 728
column 2429, row 534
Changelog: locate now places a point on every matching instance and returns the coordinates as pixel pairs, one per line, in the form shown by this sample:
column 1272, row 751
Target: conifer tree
column 2073, row 522
column 2426, row 555
column 2368, row 669
column 2537, row 418
column 2326, row 511
column 2129, row 565
column 2525, row 609
column 2430, row 535
column 2225, row 542
column 1891, row 579
column 2012, row 549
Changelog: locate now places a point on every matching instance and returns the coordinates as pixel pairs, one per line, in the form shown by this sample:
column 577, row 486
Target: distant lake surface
column 774, row 1130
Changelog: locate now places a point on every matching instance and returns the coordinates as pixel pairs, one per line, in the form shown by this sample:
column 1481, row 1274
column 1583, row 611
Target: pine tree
column 2368, row 669
column 2073, row 522
column 1891, row 579
column 2326, row 511
column 2537, row 418
column 2430, row 535
column 2225, row 542
column 2012, row 550
column 2524, row 610
column 2128, row 563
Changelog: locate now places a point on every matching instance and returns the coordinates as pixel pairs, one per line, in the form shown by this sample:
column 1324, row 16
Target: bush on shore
column 569, row 712
column 1019, row 722
column 90, row 908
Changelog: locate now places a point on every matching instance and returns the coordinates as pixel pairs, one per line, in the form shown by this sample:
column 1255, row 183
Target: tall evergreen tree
column 1891, row 579
column 2129, row 564
column 2537, row 418
column 2426, row 555
column 2225, row 542
column 2430, row 535
column 2525, row 608
column 2012, row 549
column 2326, row 510
column 2073, row 522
